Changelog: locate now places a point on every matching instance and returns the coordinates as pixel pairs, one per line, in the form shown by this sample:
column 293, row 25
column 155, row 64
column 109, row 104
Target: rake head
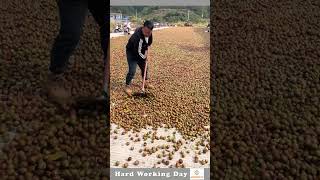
column 143, row 94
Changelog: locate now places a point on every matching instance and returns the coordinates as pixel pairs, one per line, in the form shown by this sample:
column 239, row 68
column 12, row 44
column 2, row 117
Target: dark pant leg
column 142, row 65
column 72, row 15
column 132, row 63
column 100, row 12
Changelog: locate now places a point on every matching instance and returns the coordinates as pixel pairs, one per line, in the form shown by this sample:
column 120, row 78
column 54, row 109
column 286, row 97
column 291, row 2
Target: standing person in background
column 136, row 51
column 72, row 16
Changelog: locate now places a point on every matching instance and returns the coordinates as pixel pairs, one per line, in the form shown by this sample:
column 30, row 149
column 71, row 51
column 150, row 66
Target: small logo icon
column 196, row 174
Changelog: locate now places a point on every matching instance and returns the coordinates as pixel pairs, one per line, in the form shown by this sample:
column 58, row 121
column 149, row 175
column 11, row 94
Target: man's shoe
column 57, row 91
column 128, row 90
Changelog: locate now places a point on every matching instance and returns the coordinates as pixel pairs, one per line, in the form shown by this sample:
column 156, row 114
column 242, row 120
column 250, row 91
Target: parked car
column 156, row 24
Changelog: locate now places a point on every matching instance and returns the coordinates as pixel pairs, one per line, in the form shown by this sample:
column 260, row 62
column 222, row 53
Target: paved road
column 114, row 35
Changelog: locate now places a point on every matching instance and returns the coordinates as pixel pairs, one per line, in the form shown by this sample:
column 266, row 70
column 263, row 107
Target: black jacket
column 137, row 44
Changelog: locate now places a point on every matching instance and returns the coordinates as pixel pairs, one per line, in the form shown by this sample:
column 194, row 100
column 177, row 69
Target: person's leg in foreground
column 100, row 13
column 72, row 15
column 132, row 64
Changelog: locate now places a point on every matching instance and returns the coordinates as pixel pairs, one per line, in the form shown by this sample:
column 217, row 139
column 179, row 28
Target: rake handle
column 145, row 71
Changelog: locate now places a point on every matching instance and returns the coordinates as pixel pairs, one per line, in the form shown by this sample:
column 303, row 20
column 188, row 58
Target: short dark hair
column 148, row 24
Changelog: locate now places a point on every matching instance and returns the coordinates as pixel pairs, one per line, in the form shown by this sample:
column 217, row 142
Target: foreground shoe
column 128, row 90
column 57, row 91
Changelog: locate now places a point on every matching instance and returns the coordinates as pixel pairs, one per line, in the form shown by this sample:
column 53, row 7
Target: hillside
column 166, row 14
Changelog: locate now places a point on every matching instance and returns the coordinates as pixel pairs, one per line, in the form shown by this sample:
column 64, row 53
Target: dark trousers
column 72, row 16
column 133, row 61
